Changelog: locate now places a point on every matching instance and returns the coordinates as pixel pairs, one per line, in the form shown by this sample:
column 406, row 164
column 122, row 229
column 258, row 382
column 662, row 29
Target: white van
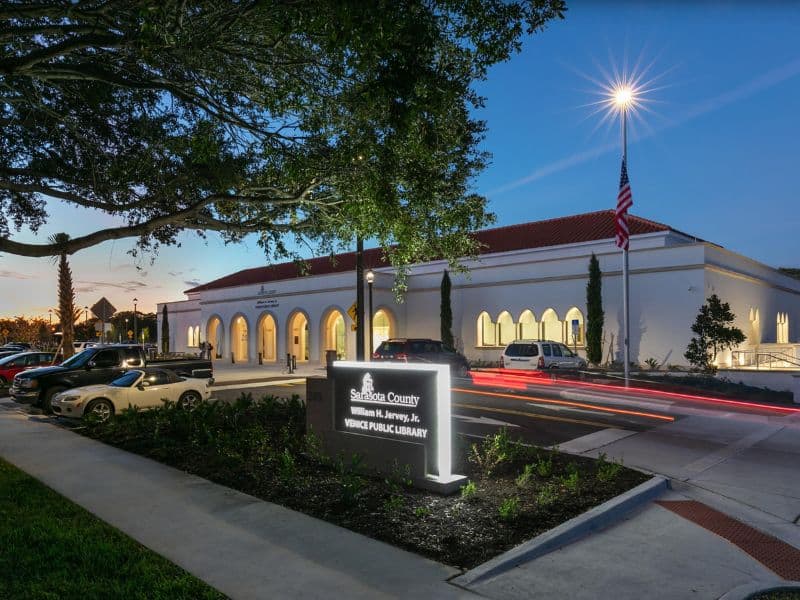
column 540, row 354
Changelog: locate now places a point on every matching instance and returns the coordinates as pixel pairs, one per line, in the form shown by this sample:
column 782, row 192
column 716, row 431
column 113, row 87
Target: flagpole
column 626, row 350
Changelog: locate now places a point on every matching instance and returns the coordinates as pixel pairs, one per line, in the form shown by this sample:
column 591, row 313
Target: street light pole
column 135, row 330
column 359, row 298
column 370, row 281
column 625, row 272
column 50, row 310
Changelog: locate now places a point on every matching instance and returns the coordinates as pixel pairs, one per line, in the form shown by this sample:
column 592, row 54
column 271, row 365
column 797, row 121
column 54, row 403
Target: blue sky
column 720, row 157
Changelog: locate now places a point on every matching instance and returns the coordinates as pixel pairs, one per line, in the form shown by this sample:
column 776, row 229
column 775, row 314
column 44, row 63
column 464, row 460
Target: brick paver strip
column 776, row 555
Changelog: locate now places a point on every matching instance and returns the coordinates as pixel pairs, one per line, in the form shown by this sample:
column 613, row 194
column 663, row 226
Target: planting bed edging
column 592, row 520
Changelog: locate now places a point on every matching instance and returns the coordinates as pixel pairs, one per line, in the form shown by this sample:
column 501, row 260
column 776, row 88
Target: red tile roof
column 587, row 227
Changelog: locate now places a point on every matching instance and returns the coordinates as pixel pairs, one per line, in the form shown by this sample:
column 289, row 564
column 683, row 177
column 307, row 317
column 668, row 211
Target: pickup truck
column 96, row 365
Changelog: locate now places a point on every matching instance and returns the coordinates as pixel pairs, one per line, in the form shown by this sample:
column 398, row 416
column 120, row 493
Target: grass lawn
column 52, row 548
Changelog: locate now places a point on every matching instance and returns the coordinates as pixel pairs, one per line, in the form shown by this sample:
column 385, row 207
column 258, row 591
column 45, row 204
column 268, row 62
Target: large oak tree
column 321, row 120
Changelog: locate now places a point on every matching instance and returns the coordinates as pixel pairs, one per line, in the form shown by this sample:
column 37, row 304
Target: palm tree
column 67, row 311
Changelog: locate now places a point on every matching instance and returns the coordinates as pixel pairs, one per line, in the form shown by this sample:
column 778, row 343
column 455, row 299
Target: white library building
column 529, row 281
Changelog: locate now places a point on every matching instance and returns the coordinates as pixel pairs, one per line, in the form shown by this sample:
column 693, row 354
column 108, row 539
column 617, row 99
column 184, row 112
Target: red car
column 11, row 365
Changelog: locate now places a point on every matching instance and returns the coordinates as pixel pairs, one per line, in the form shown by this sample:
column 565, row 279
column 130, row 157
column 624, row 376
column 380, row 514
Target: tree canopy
column 314, row 121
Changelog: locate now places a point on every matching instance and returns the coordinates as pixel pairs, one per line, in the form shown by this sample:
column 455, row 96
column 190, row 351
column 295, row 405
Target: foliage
column 164, row 330
column 468, row 490
column 544, row 465
column 714, row 331
column 571, row 481
column 67, row 312
column 595, row 316
column 547, row 495
column 446, row 312
column 421, row 512
column 652, row 364
column 509, row 509
column 393, row 503
column 34, row 330
column 495, row 451
column 52, row 549
column 607, row 471
column 352, row 483
column 525, row 478
column 321, row 120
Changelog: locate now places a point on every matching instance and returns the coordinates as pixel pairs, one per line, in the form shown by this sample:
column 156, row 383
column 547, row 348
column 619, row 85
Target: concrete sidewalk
column 242, row 546
column 225, row 372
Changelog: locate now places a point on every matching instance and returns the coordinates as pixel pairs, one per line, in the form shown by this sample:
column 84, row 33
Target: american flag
column 624, row 202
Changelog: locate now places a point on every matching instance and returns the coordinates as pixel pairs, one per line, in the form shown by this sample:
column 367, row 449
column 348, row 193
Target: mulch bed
column 260, row 448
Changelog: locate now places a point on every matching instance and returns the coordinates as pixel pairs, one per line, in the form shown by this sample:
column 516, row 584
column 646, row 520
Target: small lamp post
column 370, row 280
column 135, row 329
column 50, row 310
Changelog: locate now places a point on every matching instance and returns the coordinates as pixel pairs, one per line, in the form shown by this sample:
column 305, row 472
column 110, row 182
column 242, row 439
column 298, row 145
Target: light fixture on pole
column 624, row 98
column 135, row 328
column 370, row 281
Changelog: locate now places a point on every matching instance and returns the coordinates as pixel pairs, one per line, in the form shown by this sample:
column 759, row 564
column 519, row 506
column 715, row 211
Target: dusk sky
column 718, row 156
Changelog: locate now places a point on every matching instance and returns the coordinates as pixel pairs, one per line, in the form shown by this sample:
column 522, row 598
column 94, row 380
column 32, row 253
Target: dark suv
column 422, row 350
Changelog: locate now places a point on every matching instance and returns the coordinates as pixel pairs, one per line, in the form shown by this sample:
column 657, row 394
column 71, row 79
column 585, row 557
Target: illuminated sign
column 398, row 401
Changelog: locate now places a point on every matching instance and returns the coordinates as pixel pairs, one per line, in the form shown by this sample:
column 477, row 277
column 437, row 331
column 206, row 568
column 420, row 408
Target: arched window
column 575, row 327
column 527, row 326
column 755, row 327
column 239, row 339
column 267, row 339
column 487, row 330
column 506, row 331
column 190, row 337
column 335, row 334
column 298, row 336
column 214, row 335
column 382, row 328
column 783, row 328
column 551, row 326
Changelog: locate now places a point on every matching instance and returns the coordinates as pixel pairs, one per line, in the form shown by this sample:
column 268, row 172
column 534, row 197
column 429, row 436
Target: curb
column 596, row 518
column 743, row 592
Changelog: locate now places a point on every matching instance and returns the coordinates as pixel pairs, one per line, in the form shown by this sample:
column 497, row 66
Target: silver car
column 540, row 354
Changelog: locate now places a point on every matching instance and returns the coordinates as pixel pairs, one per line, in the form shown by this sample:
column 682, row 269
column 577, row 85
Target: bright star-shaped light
column 624, row 97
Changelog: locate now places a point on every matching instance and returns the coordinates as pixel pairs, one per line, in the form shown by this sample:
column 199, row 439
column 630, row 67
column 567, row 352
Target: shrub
column 351, row 482
column 526, row 476
column 607, row 471
column 544, row 465
column 509, row 510
column 495, row 451
column 571, row 481
column 393, row 503
column 421, row 512
column 652, row 364
column 468, row 490
column 547, row 495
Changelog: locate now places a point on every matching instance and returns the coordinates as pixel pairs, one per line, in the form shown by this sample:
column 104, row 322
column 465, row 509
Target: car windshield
column 391, row 347
column 7, row 359
column 127, row 380
column 79, row 360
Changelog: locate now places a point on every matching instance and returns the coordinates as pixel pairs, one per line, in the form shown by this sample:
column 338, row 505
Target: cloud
column 127, row 286
column 179, row 273
column 15, row 275
column 192, row 282
column 762, row 82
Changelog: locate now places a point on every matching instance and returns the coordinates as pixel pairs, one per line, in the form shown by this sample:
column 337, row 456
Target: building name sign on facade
column 267, row 303
column 400, row 402
column 262, row 291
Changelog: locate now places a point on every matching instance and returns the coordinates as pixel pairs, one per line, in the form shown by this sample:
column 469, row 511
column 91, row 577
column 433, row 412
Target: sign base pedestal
column 441, row 486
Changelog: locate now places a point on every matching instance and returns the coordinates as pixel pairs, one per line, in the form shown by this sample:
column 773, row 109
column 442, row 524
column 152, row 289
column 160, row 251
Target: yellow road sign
column 352, row 312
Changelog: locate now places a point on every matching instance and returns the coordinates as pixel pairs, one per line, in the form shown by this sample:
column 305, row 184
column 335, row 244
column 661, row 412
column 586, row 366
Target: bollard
column 260, row 358
column 233, row 359
column 294, row 363
column 330, row 356
column 288, row 362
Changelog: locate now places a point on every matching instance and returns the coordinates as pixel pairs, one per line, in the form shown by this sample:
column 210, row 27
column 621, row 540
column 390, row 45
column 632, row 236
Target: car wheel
column 47, row 400
column 189, row 400
column 100, row 408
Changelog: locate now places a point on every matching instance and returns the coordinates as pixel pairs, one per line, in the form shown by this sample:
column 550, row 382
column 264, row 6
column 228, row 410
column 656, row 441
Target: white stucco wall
column 671, row 276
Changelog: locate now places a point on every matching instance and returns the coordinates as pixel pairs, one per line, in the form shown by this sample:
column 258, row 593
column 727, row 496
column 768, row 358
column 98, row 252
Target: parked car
column 16, row 363
column 139, row 388
column 97, row 365
column 422, row 350
column 7, row 353
column 540, row 354
column 17, row 348
column 78, row 346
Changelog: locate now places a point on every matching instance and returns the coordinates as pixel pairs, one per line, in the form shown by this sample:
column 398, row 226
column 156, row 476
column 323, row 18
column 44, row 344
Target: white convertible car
column 142, row 388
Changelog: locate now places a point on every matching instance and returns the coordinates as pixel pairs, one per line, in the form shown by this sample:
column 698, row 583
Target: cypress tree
column 595, row 316
column 164, row 331
column 446, row 312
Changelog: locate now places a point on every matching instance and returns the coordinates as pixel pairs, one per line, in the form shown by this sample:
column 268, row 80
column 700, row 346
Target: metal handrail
column 766, row 358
